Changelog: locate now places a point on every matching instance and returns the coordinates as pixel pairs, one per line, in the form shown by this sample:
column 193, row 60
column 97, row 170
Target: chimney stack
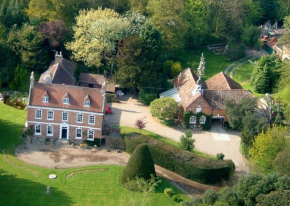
column 58, row 56
column 32, row 80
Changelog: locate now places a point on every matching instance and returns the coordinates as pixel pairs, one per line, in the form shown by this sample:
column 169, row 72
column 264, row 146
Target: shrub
column 146, row 98
column 111, row 97
column 176, row 68
column 210, row 197
column 169, row 192
column 164, row 108
column 140, row 123
column 182, row 162
column 176, row 198
column 205, row 126
column 168, row 122
column 186, row 141
column 142, row 185
column 97, row 141
column 139, row 165
column 220, row 156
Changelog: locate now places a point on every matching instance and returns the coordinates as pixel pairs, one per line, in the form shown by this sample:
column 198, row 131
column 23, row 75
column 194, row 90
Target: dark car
column 108, row 110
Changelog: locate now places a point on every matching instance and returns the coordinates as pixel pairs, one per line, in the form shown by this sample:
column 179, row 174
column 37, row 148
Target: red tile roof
column 77, row 97
column 61, row 71
column 221, row 81
column 97, row 79
column 217, row 98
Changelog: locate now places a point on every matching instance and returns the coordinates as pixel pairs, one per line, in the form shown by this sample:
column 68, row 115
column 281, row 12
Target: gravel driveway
column 215, row 141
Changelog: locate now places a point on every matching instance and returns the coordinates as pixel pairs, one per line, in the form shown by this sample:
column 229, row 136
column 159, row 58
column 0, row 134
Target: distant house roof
column 172, row 93
column 76, row 95
column 61, row 71
column 221, row 81
column 217, row 98
column 97, row 79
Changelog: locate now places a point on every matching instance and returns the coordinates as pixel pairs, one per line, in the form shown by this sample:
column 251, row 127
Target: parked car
column 108, row 110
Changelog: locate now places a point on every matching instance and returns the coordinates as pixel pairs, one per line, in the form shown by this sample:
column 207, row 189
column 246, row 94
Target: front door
column 64, row 133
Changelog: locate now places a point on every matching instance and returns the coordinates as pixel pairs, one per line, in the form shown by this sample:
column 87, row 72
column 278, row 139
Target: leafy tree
column 176, row 68
column 167, row 67
column 210, row 197
column 167, row 15
column 282, row 161
column 250, row 35
column 267, row 145
column 8, row 61
column 55, row 32
column 28, row 44
column 95, row 35
column 21, row 79
column 164, row 108
column 186, row 141
column 274, row 198
column 266, row 74
column 140, row 165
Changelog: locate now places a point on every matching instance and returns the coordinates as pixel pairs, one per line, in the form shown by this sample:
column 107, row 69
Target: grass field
column 213, row 63
column 22, row 184
column 127, row 130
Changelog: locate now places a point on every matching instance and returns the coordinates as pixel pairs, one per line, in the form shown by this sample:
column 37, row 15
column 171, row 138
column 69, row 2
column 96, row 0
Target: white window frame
column 93, row 119
column 65, row 100
column 191, row 118
column 82, row 118
column 202, row 119
column 66, row 116
column 45, row 99
column 35, row 127
column 48, row 115
column 87, row 103
column 36, row 114
column 51, row 130
column 198, row 109
column 88, row 134
column 77, row 133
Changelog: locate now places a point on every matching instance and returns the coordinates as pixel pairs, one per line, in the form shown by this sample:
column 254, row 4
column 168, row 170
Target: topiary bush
column 140, row 165
column 182, row 162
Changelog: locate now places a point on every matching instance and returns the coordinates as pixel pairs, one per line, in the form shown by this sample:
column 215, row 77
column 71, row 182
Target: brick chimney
column 58, row 56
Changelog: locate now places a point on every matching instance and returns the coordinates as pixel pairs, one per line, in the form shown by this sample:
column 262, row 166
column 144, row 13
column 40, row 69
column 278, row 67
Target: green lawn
column 127, row 130
column 247, row 85
column 213, row 63
column 23, row 184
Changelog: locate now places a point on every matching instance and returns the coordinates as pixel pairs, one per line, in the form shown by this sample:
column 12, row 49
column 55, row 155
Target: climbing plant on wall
column 205, row 126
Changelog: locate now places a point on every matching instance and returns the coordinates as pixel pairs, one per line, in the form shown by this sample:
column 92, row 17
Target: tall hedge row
column 182, row 162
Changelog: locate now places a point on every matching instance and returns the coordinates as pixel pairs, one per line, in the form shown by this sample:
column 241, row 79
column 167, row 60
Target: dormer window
column 66, row 99
column 45, row 97
column 87, row 102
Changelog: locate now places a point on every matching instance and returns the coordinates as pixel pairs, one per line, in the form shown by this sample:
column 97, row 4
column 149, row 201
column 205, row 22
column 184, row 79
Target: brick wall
column 71, row 123
column 205, row 107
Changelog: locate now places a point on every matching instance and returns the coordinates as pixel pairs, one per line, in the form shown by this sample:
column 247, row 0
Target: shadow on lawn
column 18, row 191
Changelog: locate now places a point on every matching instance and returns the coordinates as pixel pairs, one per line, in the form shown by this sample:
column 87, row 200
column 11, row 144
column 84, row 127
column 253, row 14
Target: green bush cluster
column 146, row 98
column 168, row 122
column 182, row 162
column 169, row 192
column 97, row 141
column 205, row 126
column 111, row 97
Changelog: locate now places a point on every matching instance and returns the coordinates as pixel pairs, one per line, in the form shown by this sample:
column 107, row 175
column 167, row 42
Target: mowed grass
column 128, row 130
column 213, row 63
column 20, row 186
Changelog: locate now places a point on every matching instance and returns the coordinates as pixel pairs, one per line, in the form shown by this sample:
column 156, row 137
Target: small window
column 192, row 120
column 91, row 119
column 202, row 120
column 87, row 103
column 37, row 129
column 79, row 118
column 78, row 133
column 90, row 134
column 198, row 109
column 45, row 99
column 66, row 100
column 38, row 114
column 50, row 115
column 49, row 130
column 65, row 116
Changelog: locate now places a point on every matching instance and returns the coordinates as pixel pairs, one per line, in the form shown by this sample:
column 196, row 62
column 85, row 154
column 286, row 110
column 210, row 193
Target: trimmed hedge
column 139, row 165
column 182, row 162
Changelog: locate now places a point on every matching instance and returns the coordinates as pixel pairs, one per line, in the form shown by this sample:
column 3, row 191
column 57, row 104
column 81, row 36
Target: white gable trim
column 64, row 109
